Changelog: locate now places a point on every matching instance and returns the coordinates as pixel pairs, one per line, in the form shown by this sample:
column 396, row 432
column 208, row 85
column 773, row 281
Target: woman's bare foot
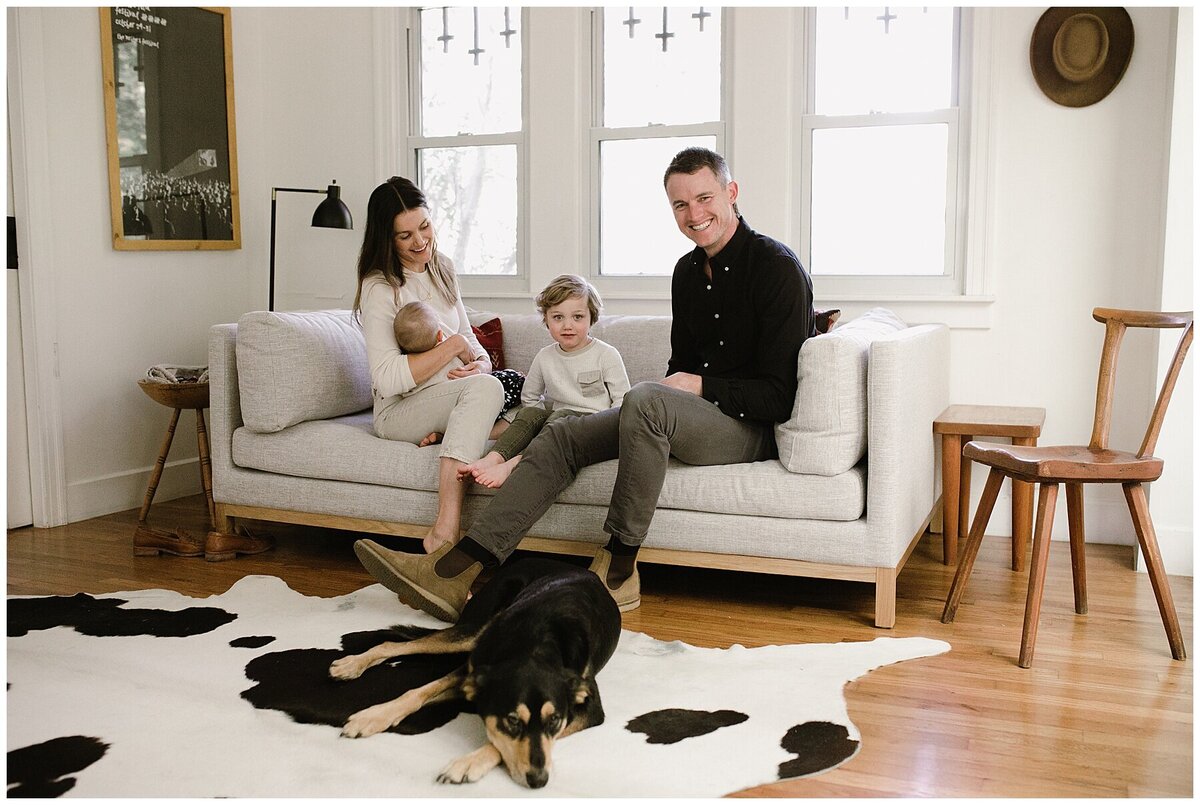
column 495, row 476
column 469, row 470
column 432, row 438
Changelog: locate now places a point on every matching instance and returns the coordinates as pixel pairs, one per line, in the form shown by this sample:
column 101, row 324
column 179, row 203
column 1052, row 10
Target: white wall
column 113, row 314
column 1078, row 222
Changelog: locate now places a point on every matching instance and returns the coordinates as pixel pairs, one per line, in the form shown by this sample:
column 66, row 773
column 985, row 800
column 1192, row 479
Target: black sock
column 624, row 561
column 466, row 553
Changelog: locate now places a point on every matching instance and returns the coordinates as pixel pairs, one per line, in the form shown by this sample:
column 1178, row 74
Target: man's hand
column 684, row 381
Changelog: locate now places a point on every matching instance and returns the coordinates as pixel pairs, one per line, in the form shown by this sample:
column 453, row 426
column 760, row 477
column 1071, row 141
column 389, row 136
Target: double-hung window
column 883, row 151
column 468, row 134
column 658, row 84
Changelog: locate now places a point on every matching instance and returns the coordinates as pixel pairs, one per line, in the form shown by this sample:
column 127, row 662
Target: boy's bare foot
column 489, row 460
column 494, row 477
column 432, row 438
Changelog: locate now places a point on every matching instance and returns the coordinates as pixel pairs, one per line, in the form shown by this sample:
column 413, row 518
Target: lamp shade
column 332, row 213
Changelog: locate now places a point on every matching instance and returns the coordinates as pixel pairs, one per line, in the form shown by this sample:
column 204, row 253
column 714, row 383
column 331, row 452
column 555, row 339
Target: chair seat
column 1065, row 463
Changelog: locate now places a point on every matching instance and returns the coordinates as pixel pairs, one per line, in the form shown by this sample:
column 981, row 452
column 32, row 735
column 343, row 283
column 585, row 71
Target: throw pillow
column 827, row 432
column 491, row 338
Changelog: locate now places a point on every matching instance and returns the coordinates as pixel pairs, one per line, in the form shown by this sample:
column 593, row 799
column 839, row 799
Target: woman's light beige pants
column 464, row 410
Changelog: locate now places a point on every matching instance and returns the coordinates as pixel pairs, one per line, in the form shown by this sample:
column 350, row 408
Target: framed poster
column 168, row 104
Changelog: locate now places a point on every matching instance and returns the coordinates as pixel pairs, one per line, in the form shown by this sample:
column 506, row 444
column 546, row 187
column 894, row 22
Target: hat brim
column 1096, row 88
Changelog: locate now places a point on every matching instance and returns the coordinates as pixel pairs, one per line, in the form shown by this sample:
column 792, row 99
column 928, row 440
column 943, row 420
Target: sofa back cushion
column 827, row 432
column 295, row 367
column 643, row 341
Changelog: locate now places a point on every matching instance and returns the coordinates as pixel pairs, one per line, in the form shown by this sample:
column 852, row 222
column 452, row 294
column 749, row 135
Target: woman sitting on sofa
column 418, row 397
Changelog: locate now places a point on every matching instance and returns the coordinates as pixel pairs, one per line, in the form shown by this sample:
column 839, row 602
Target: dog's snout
column 537, row 778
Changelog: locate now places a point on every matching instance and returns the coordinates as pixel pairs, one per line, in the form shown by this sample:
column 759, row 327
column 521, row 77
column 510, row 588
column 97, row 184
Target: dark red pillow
column 491, row 338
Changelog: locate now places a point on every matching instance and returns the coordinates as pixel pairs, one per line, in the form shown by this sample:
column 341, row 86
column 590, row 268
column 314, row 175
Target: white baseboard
column 126, row 490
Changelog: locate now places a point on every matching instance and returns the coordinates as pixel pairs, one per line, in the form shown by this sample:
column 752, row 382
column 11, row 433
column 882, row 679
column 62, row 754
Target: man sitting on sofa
column 741, row 307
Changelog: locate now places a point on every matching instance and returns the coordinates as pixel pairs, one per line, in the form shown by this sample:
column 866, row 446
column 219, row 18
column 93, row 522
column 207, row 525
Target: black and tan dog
column 535, row 636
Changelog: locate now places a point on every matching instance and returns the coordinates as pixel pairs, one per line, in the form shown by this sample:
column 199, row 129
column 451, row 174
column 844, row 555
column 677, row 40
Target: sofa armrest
column 908, row 387
column 225, row 408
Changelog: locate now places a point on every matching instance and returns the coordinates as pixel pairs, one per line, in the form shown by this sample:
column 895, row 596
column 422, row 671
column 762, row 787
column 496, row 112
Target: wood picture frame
column 169, row 123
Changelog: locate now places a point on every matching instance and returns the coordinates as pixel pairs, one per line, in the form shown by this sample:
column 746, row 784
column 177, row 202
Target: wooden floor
column 1104, row 711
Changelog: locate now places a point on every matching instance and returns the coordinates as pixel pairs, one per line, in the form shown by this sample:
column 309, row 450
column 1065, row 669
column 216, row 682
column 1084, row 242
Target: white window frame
column 962, row 276
column 643, row 286
column 474, row 284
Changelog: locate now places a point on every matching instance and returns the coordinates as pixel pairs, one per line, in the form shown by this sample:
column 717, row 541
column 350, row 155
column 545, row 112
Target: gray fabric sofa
column 852, row 492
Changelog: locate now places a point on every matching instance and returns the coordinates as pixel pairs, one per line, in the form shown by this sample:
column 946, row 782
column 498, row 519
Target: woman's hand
column 479, row 367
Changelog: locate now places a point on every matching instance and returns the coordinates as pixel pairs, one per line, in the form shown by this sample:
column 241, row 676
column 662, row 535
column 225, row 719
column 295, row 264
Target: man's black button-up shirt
column 741, row 330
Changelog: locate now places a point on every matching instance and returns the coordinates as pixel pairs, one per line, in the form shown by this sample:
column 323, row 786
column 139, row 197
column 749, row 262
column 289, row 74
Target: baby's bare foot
column 494, row 477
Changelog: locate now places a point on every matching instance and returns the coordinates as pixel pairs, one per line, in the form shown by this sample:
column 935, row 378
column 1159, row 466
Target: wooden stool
column 958, row 425
column 176, row 396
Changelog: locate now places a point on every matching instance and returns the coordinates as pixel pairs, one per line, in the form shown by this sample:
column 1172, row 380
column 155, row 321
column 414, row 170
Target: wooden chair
column 1075, row 466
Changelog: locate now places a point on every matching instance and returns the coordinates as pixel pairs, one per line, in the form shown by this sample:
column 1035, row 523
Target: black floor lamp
column 331, row 213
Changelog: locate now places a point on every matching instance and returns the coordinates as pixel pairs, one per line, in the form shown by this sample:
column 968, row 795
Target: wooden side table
column 176, row 396
column 958, row 425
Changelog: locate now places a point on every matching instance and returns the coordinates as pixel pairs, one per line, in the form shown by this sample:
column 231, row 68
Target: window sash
column 952, row 282
column 645, row 286
column 415, row 142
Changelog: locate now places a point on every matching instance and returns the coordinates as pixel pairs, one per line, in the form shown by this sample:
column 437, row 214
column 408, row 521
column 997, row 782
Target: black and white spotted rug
column 153, row 693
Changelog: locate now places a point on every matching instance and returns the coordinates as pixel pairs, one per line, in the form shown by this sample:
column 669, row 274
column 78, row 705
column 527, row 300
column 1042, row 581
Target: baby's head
column 416, row 327
column 569, row 306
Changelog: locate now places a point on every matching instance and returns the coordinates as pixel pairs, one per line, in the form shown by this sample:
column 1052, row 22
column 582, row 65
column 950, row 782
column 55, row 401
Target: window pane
column 879, row 200
column 464, row 91
column 883, row 59
column 473, row 193
column 638, row 234
column 650, row 79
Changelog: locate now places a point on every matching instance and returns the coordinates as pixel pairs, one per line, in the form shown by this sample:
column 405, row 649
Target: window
column 881, row 150
column 468, row 134
column 658, row 89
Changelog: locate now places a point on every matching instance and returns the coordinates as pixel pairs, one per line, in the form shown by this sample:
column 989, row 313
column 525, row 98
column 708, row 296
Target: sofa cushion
column 346, row 449
column 827, row 432
column 295, row 367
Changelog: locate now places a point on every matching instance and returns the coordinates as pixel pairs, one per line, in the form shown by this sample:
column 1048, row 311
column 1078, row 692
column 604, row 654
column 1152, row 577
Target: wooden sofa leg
column 222, row 522
column 885, row 597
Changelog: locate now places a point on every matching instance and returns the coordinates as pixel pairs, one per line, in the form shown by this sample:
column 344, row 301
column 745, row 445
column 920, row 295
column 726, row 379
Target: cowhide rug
column 152, row 693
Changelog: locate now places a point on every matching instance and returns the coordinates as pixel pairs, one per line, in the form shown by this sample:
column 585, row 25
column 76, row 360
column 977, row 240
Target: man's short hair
column 690, row 160
column 416, row 327
column 569, row 286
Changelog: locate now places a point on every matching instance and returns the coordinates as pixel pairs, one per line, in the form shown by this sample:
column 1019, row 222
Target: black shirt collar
column 732, row 252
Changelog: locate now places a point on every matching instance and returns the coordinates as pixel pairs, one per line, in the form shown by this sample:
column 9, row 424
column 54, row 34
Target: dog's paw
column 347, row 668
column 470, row 768
column 371, row 721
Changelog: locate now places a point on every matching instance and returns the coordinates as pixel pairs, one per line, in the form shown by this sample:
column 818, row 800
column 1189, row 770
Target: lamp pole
column 331, row 213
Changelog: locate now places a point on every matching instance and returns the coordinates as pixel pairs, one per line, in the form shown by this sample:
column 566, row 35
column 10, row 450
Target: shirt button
column 741, row 415
column 717, row 403
column 716, row 315
column 726, row 268
column 706, row 366
column 722, row 343
column 709, row 287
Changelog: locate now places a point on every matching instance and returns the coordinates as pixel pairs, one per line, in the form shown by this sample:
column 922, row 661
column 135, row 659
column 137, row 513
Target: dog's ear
column 475, row 679
column 582, row 689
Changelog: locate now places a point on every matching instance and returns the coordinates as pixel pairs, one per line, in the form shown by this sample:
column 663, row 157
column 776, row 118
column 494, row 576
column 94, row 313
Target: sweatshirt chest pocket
column 591, row 383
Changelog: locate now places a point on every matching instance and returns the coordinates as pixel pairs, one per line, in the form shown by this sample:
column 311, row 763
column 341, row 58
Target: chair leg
column 1135, row 496
column 1047, row 497
column 1075, row 522
column 967, row 561
column 951, row 462
column 156, row 473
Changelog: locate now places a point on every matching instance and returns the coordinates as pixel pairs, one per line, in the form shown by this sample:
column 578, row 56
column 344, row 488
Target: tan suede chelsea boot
column 629, row 595
column 414, row 579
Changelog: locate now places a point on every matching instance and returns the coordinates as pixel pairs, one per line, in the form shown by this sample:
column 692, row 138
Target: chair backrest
column 1115, row 323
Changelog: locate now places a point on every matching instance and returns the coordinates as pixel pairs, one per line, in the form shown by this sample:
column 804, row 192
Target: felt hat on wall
column 1079, row 54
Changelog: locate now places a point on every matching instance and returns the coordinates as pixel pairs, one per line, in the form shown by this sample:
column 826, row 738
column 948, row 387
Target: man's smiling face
column 703, row 208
